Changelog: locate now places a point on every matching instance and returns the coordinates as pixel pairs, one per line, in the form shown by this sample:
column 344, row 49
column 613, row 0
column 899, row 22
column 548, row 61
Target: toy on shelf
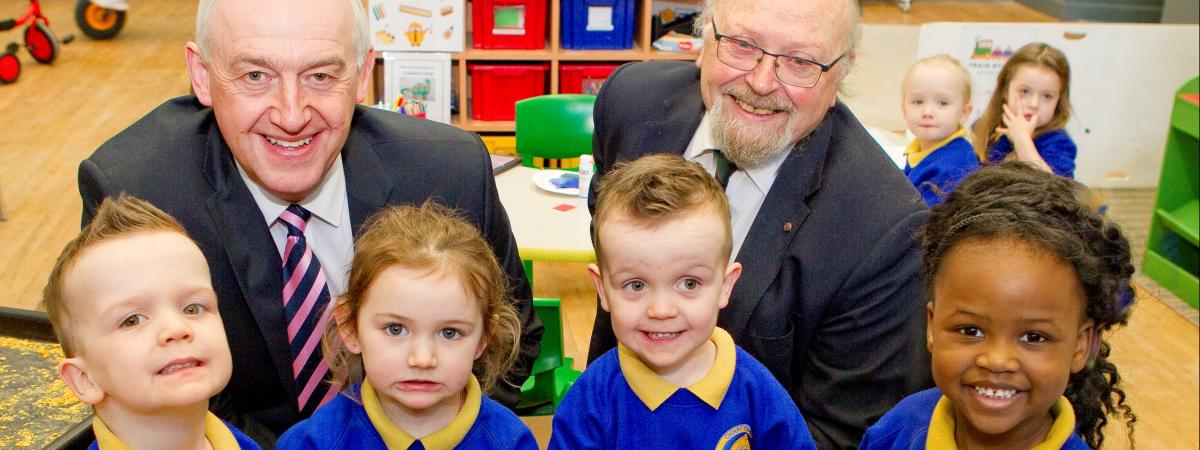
column 39, row 40
column 10, row 69
column 100, row 19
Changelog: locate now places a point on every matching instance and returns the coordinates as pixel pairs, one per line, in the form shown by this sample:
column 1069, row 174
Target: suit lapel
column 253, row 257
column 774, row 230
column 672, row 134
column 368, row 187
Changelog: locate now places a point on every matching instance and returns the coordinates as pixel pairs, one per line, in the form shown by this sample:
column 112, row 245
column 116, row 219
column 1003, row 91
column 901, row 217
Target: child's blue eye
column 450, row 333
column 133, row 320
column 636, row 285
column 394, row 329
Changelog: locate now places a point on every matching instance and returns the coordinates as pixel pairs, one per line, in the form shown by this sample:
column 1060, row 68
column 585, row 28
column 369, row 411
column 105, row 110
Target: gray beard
column 749, row 145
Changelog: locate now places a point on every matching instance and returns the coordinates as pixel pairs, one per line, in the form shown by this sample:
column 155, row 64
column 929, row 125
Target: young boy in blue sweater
column 936, row 101
column 132, row 304
column 675, row 380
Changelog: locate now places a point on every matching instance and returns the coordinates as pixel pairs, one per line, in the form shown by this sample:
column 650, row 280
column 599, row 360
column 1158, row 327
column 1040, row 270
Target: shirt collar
column 215, row 431
column 325, row 202
column 653, row 390
column 448, row 437
column 762, row 176
column 914, row 155
column 941, row 426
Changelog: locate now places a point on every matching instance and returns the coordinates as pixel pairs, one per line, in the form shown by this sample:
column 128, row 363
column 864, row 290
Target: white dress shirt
column 747, row 187
column 328, row 231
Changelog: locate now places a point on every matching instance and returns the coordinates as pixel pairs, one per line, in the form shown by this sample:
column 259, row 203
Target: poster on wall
column 417, row 84
column 417, row 25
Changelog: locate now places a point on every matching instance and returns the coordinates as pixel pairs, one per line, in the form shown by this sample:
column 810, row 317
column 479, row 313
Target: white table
column 544, row 233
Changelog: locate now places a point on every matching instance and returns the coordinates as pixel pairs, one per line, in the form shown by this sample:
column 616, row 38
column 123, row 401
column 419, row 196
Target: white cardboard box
column 422, row 80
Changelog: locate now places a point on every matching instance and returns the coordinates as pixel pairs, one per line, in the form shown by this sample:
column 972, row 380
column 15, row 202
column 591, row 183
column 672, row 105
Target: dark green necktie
column 725, row 167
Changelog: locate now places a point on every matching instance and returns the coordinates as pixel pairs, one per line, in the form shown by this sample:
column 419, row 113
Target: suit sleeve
column 498, row 233
column 869, row 352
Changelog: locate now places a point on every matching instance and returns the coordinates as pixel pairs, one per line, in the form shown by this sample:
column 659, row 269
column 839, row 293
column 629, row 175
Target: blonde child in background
column 675, row 380
column 1027, row 113
column 425, row 327
column 1024, row 280
column 936, row 101
column 132, row 304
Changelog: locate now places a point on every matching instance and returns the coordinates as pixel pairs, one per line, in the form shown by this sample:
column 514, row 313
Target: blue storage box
column 597, row 24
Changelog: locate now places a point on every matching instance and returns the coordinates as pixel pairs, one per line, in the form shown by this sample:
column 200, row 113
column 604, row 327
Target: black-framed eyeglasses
column 790, row 70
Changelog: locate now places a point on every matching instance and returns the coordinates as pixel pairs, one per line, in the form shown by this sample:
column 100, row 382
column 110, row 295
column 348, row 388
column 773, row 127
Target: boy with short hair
column 936, row 101
column 675, row 380
column 132, row 304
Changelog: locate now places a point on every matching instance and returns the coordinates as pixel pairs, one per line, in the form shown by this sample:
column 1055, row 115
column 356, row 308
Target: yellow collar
column 941, row 426
column 215, row 432
column 445, row 438
column 915, row 155
column 653, row 390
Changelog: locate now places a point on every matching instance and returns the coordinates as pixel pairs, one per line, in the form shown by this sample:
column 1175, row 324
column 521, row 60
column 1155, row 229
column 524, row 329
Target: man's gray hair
column 362, row 34
column 708, row 7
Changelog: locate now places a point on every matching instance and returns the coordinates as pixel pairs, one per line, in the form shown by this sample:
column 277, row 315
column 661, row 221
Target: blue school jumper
column 620, row 403
column 937, row 171
column 1055, row 147
column 925, row 420
column 344, row 423
column 219, row 433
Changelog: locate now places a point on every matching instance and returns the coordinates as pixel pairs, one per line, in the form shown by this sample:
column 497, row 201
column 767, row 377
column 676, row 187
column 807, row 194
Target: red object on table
column 496, row 88
column 1194, row 98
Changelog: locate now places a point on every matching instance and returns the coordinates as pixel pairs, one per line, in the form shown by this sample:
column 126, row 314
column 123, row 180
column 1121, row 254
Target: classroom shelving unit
column 1172, row 251
column 554, row 54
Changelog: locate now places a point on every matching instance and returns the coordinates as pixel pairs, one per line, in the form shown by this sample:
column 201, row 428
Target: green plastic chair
column 553, row 130
column 552, row 373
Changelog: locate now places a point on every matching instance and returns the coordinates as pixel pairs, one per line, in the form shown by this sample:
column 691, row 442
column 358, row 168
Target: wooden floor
column 54, row 116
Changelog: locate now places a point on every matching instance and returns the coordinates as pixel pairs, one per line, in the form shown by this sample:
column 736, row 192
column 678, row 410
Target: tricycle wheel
column 97, row 21
column 10, row 68
column 41, row 43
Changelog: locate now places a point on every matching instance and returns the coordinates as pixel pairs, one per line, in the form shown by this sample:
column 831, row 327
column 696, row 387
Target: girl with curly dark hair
column 1024, row 279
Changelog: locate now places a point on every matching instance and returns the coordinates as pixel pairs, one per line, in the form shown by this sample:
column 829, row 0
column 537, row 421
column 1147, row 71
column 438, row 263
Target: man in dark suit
column 272, row 159
column 830, row 296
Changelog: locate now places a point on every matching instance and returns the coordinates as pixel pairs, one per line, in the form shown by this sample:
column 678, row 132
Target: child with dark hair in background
column 424, row 329
column 936, row 101
column 1024, row 279
column 1028, row 112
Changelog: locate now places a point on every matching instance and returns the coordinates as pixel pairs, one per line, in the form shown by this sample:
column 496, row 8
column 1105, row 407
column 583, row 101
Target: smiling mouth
column 661, row 335
column 289, row 144
column 999, row 394
column 752, row 109
column 180, row 365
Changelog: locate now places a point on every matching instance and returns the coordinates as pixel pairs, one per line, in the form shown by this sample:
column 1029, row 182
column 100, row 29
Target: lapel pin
column 787, row 226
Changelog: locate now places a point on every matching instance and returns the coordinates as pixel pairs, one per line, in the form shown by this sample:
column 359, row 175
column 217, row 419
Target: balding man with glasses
column 830, row 298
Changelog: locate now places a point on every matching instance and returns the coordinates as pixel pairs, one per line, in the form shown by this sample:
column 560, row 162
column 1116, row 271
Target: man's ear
column 1086, row 346
column 732, row 273
column 346, row 327
column 929, row 326
column 598, row 281
column 198, row 72
column 74, row 374
column 364, row 75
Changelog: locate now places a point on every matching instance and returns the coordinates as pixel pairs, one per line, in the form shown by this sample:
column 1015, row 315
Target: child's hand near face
column 1016, row 126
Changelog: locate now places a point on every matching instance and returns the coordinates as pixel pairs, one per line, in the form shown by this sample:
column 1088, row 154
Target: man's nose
column 292, row 109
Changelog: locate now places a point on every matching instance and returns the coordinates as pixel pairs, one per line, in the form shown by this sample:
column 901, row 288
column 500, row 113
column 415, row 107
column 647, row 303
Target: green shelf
column 1184, row 221
column 1172, row 277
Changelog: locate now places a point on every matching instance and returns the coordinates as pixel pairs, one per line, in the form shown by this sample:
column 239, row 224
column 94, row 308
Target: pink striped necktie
column 305, row 301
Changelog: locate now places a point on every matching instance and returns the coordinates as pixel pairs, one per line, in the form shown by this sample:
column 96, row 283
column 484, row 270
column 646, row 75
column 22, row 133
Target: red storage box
column 495, row 88
column 508, row 24
column 583, row 78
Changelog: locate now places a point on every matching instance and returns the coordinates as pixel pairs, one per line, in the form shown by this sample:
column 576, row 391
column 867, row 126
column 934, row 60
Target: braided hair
column 1016, row 200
